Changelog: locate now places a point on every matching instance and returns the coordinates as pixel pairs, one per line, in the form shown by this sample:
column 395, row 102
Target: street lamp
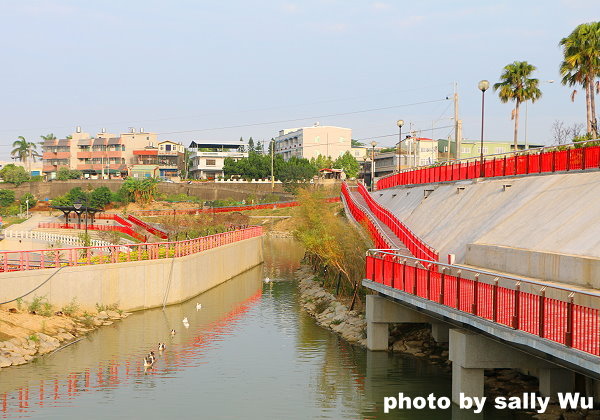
column 399, row 123
column 373, row 144
column 483, row 86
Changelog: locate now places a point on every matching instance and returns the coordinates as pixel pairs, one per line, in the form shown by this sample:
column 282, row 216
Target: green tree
column 251, row 145
column 321, row 162
column 28, row 197
column 356, row 143
column 7, row 197
column 349, row 164
column 581, row 66
column 516, row 85
column 140, row 190
column 100, row 197
column 65, row 173
column 47, row 137
column 14, row 174
column 25, row 151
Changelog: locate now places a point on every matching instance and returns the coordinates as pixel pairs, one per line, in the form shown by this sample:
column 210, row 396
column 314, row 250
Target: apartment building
column 165, row 160
column 104, row 156
column 207, row 158
column 310, row 142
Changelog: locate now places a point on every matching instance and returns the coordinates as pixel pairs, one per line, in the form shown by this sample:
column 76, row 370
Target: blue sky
column 186, row 69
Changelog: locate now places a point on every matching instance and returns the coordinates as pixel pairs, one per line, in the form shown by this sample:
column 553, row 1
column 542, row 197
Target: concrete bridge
column 489, row 319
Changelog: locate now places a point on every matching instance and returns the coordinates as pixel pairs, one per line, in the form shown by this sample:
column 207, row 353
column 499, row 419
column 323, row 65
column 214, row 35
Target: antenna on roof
column 78, row 129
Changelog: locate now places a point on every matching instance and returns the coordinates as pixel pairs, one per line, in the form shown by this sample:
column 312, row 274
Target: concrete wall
column 543, row 220
column 136, row 285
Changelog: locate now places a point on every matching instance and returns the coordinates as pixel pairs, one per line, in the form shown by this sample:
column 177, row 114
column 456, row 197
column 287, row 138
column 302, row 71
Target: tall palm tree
column 516, row 85
column 581, row 66
column 47, row 137
column 24, row 151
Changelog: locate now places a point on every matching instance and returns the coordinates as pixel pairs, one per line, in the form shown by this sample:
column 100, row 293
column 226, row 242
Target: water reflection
column 250, row 352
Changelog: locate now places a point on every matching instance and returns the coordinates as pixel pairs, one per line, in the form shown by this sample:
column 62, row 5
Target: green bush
column 100, row 197
column 71, row 308
column 65, row 173
column 14, row 174
column 7, row 197
column 28, row 197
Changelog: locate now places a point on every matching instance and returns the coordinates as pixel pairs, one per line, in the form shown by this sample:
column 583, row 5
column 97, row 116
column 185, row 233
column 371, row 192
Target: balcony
column 84, row 155
column 169, row 153
column 56, row 155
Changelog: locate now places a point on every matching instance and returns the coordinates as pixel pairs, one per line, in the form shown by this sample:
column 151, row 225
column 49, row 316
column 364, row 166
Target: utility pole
column 272, row 165
column 457, row 126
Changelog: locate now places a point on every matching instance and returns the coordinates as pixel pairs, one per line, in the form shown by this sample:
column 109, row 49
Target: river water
column 249, row 353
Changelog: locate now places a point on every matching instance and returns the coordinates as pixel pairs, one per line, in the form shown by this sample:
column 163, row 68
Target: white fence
column 51, row 237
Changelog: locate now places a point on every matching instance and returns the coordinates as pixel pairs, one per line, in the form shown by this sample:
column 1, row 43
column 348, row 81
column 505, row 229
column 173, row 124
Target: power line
column 396, row 134
column 304, row 118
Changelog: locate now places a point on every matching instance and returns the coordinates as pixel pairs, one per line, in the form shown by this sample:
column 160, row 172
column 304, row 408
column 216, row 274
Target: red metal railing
column 123, row 229
column 280, row 204
column 570, row 157
column 112, row 216
column 561, row 314
column 361, row 216
column 153, row 230
column 414, row 244
column 60, row 257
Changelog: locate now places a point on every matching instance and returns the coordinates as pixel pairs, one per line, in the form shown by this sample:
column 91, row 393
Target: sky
column 221, row 70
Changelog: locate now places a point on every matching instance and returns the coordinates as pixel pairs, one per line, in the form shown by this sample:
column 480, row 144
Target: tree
column 321, row 162
column 28, row 199
column 47, row 137
column 516, row 85
column 250, row 145
column 14, row 174
column 581, row 66
column 356, row 143
column 25, row 151
column 65, row 173
column 7, row 197
column 259, row 148
column 100, row 197
column 348, row 163
column 140, row 190
column 562, row 134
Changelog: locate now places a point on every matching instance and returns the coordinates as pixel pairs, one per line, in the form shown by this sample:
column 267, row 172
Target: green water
column 249, row 353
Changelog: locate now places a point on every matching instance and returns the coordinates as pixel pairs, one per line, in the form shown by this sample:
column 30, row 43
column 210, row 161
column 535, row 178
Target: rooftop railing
column 579, row 156
column 563, row 314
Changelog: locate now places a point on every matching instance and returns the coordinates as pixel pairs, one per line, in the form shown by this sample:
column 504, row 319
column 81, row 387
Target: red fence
column 277, row 205
column 155, row 231
column 535, row 161
column 112, row 216
column 566, row 316
column 123, row 229
column 360, row 216
column 62, row 257
column 414, row 244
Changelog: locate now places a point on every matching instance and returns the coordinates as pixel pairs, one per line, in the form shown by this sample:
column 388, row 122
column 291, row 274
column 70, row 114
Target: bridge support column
column 381, row 312
column 471, row 353
column 553, row 381
column 440, row 332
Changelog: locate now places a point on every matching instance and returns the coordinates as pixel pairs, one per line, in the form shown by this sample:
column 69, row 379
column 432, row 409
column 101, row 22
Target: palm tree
column 581, row 66
column 516, row 85
column 47, row 137
column 24, row 151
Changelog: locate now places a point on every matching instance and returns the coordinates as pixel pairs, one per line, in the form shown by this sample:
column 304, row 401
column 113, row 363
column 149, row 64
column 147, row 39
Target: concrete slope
column 557, row 213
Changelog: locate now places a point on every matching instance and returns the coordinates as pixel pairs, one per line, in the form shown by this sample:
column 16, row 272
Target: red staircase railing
column 361, row 216
column 123, row 229
column 92, row 255
column 415, row 245
column 560, row 314
column 572, row 157
column 148, row 227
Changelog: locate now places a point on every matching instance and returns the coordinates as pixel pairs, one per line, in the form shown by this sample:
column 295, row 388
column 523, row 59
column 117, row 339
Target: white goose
column 198, row 306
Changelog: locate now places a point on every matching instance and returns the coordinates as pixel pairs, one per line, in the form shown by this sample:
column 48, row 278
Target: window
column 168, row 147
column 317, row 139
column 499, row 149
column 465, row 150
column 211, row 162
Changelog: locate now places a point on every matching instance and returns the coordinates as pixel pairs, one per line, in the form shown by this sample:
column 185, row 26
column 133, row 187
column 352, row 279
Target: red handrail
column 123, row 229
column 91, row 255
column 570, row 157
column 561, row 314
column 153, row 230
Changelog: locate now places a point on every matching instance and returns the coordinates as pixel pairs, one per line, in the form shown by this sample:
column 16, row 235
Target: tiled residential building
column 164, row 160
column 310, row 142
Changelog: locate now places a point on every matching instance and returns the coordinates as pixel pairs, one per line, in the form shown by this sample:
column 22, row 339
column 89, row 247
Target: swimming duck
column 161, row 347
column 267, row 279
column 148, row 362
column 173, row 332
column 185, row 320
column 198, row 306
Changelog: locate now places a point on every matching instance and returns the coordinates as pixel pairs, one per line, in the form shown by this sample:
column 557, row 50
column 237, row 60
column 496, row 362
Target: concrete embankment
column 545, row 226
column 136, row 285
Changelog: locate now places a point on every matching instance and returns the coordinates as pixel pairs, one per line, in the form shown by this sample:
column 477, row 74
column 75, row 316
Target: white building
column 207, row 158
column 310, row 142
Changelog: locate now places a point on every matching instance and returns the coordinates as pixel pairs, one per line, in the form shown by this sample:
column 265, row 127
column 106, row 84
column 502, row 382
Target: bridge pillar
column 440, row 331
column 379, row 313
column 553, row 381
column 471, row 353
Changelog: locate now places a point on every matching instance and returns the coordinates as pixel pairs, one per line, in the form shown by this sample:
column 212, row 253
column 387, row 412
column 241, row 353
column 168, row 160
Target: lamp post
column 399, row 123
column 373, row 144
column 483, row 86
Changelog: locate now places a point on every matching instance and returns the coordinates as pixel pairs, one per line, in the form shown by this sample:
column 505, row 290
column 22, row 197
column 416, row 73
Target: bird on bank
column 161, row 347
column 198, row 306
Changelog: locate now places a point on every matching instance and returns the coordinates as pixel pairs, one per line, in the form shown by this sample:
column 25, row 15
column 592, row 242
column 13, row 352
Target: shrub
column 70, row 308
column 14, row 174
column 65, row 173
column 36, row 304
column 7, row 197
column 100, row 197
column 28, row 197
